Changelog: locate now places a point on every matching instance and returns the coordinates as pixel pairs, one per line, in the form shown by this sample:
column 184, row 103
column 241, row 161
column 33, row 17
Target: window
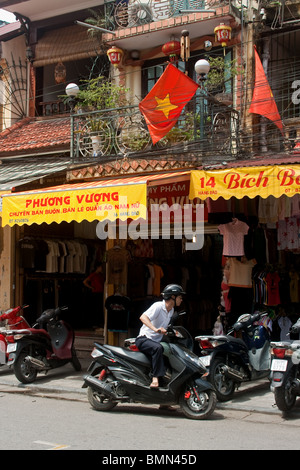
column 152, row 71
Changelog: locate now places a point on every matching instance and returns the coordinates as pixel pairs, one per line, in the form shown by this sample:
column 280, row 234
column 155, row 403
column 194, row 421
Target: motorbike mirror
column 296, row 327
column 58, row 310
column 296, row 357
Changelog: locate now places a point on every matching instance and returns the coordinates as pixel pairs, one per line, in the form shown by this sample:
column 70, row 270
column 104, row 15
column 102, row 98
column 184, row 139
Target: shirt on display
column 117, row 259
column 233, row 237
column 241, row 272
column 53, row 255
column 117, row 312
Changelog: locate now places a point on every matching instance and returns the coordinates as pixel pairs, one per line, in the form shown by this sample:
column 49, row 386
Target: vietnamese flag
column 164, row 103
column 263, row 101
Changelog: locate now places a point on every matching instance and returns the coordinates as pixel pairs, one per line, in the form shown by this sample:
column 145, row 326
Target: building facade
column 216, row 136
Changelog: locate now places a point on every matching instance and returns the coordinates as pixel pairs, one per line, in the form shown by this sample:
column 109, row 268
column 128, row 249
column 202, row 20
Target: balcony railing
column 206, row 126
column 124, row 14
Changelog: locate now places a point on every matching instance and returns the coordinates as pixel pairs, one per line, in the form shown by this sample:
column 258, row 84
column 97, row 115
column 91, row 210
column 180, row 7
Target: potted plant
column 221, row 73
column 95, row 95
column 99, row 93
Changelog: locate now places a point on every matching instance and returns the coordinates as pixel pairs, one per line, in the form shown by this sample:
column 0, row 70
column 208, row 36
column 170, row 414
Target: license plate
column 279, row 365
column 205, row 360
column 11, row 347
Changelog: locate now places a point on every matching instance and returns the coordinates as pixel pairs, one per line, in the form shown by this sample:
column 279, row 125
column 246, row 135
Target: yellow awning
column 122, row 198
column 77, row 202
column 252, row 181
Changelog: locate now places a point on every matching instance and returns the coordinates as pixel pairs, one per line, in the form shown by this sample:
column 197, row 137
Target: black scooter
column 231, row 360
column 49, row 344
column 285, row 370
column 120, row 375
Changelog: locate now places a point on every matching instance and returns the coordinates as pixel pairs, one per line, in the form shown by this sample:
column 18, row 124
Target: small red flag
column 263, row 101
column 164, row 103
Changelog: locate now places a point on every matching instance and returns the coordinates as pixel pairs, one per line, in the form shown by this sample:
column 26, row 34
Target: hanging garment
column 117, row 312
column 284, row 325
column 233, row 237
column 241, row 272
column 117, row 259
column 272, row 280
column 268, row 210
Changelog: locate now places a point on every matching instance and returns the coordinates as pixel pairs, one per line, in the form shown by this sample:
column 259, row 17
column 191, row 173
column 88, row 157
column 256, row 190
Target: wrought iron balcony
column 124, row 14
column 206, row 127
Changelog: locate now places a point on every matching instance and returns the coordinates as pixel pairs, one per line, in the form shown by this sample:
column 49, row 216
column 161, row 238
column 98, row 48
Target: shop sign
column 64, row 205
column 263, row 181
column 174, row 196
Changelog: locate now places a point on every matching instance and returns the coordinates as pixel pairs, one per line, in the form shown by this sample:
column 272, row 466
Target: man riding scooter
column 155, row 321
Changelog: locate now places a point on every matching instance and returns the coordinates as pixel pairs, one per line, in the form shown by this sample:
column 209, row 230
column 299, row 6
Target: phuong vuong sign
column 67, row 203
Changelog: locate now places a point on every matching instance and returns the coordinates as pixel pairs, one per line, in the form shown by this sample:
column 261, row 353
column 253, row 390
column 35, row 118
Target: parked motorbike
column 11, row 319
column 49, row 344
column 231, row 360
column 285, row 370
column 120, row 375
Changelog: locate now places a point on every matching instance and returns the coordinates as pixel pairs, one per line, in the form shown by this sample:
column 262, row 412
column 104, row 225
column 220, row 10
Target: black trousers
column 154, row 351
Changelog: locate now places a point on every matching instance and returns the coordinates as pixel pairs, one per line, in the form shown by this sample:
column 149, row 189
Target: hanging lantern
column 115, row 55
column 171, row 48
column 223, row 34
column 60, row 73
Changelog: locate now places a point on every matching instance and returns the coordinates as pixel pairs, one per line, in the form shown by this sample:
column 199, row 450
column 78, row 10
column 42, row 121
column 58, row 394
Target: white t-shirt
column 159, row 317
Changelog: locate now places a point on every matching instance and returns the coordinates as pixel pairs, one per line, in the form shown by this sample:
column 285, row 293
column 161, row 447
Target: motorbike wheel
column 23, row 371
column 223, row 385
column 100, row 401
column 284, row 398
column 197, row 405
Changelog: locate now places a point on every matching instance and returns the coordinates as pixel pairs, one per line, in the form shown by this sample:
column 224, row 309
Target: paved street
column 38, row 423
column 53, row 413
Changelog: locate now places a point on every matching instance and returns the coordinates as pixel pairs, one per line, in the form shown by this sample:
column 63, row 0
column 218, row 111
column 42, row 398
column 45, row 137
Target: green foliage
column 99, row 93
column 220, row 72
column 97, row 18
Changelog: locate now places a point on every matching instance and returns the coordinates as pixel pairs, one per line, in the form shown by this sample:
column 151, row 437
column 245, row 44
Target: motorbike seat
column 135, row 356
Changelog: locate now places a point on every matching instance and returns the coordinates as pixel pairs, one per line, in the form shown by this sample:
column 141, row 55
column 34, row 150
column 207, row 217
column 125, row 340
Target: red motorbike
column 10, row 319
column 47, row 345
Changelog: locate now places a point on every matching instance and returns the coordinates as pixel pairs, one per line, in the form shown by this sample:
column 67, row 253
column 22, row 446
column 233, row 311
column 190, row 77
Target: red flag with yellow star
column 263, row 101
column 164, row 103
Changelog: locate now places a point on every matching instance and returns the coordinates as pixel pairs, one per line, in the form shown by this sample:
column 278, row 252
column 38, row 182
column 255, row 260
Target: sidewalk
column 65, row 383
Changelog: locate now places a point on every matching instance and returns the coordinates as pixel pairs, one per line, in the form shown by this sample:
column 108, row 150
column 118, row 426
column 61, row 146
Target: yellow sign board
column 263, row 181
column 68, row 203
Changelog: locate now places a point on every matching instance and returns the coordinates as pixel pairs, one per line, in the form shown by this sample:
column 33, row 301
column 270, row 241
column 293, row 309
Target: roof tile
column 29, row 134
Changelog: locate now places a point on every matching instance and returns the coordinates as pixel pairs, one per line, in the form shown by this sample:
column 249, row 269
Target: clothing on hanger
column 233, row 237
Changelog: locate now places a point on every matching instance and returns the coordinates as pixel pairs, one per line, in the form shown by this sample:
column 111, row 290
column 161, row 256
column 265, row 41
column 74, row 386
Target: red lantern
column 171, row 48
column 223, row 34
column 115, row 55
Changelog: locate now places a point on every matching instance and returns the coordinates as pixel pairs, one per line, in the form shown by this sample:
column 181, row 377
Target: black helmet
column 170, row 290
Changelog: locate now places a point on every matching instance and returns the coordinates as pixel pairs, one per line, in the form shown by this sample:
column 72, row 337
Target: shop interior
column 55, row 260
